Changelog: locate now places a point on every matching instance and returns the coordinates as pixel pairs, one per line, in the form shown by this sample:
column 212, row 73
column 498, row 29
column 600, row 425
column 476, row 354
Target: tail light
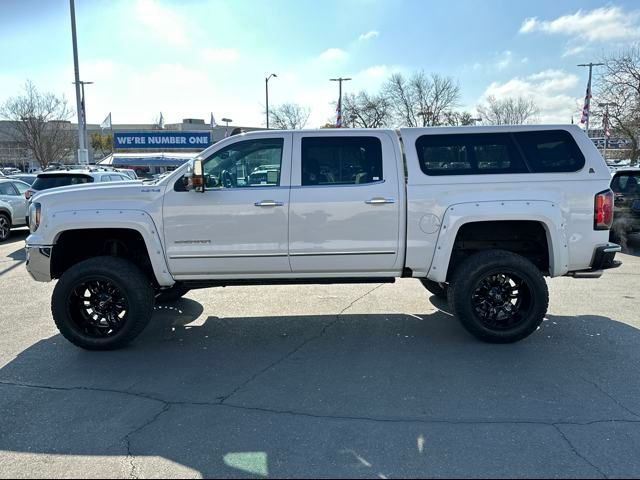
column 603, row 215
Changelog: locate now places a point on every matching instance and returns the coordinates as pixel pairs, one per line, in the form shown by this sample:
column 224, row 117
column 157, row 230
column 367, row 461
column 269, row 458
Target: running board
column 195, row 284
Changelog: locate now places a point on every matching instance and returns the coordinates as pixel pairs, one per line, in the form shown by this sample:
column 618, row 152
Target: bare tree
column 41, row 124
column 422, row 100
column 619, row 85
column 366, row 111
column 508, row 111
column 289, row 116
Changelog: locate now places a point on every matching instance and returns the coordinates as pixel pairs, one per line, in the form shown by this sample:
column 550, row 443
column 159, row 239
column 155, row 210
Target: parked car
column 25, row 177
column 131, row 173
column 13, row 208
column 626, row 188
column 479, row 214
column 55, row 178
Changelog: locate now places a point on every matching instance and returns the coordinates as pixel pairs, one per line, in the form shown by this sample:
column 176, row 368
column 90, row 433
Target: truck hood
column 102, row 196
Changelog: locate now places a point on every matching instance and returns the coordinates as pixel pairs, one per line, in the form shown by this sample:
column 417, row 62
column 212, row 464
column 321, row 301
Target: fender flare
column 137, row 220
column 547, row 213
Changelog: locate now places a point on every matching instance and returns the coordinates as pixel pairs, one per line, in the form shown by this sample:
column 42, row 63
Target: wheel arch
column 72, row 228
column 547, row 215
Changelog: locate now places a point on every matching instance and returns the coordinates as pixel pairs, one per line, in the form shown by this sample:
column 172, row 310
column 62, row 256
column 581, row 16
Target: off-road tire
column 467, row 282
column 130, row 282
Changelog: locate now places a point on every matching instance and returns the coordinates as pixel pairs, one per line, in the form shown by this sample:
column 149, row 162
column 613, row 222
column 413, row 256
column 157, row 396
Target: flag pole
column 587, row 106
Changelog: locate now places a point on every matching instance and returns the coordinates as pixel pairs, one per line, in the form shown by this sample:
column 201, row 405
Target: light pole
column 606, row 126
column 266, row 93
column 587, row 104
column 227, row 121
column 82, row 141
column 83, row 106
column 339, row 80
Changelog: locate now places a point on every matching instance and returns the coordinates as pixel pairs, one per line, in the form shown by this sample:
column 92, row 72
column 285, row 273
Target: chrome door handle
column 269, row 203
column 380, row 201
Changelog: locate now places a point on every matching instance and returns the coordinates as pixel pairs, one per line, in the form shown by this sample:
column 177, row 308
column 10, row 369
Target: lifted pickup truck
column 479, row 215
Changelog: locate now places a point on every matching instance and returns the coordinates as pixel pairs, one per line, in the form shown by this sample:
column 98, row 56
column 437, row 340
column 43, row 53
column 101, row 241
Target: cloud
column 369, row 35
column 505, row 60
column 163, row 22
column 220, row 55
column 333, row 55
column 549, row 89
column 599, row 25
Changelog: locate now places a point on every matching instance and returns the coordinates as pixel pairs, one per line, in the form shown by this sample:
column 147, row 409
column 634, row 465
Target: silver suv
column 13, row 208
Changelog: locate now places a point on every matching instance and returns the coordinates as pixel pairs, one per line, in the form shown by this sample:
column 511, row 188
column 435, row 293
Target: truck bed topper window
column 545, row 151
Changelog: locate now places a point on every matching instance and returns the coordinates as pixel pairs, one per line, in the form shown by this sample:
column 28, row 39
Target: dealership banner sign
column 161, row 140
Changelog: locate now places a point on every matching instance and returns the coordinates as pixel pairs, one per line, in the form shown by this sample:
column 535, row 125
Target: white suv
column 75, row 176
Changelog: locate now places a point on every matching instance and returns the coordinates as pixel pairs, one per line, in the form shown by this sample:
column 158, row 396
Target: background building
column 12, row 155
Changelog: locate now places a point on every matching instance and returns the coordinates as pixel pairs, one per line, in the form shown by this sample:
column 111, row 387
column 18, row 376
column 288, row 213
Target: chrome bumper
column 39, row 262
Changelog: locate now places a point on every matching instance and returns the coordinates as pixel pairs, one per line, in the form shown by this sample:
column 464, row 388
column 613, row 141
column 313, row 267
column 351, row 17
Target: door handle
column 380, row 201
column 269, row 203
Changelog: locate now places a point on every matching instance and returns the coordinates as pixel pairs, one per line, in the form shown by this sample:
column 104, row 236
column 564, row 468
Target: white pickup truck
column 480, row 215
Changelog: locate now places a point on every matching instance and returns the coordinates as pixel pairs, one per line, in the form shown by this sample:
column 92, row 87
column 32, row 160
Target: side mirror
column 197, row 180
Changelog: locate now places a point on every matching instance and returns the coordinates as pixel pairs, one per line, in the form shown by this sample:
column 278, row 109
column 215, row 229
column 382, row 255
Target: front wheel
column 102, row 303
column 498, row 296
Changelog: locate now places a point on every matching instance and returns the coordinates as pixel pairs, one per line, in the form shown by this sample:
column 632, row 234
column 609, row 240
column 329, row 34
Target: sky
column 191, row 58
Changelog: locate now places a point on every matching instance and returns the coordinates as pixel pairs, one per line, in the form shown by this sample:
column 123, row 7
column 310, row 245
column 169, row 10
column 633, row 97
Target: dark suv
column 626, row 186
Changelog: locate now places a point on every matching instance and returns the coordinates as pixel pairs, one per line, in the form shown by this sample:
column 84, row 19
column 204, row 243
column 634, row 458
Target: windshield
column 45, row 182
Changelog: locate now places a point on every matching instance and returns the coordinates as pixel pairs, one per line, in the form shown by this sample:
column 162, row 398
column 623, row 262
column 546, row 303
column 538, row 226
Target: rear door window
column 45, row 182
column 551, row 151
column 469, row 154
column 341, row 160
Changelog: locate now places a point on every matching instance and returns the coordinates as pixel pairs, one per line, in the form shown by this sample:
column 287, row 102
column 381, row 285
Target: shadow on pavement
column 334, row 396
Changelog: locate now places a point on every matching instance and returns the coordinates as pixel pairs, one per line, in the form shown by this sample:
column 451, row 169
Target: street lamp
column 266, row 89
column 227, row 121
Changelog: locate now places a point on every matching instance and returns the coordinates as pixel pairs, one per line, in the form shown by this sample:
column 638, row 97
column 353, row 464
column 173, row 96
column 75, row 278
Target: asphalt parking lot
column 324, row 381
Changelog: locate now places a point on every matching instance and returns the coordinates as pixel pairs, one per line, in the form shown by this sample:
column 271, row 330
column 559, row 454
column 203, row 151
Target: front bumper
column 39, row 262
column 604, row 258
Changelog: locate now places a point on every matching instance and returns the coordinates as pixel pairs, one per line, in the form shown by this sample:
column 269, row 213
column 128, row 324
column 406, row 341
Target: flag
column 606, row 126
column 161, row 122
column 586, row 110
column 107, row 122
column 213, row 123
column 339, row 116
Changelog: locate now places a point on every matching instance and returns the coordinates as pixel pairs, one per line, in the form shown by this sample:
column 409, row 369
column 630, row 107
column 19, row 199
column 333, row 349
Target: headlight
column 35, row 215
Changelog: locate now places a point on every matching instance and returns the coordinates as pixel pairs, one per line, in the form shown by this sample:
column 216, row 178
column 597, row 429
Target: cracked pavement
column 356, row 381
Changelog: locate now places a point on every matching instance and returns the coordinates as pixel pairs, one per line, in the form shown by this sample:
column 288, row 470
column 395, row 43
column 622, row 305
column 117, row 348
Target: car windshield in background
column 45, row 182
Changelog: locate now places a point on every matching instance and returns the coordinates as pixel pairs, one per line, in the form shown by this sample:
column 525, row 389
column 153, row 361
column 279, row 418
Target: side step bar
column 195, row 284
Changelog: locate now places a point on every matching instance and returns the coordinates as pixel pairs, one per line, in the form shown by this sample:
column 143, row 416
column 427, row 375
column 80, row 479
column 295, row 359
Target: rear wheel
column 499, row 297
column 438, row 289
column 5, row 227
column 102, row 303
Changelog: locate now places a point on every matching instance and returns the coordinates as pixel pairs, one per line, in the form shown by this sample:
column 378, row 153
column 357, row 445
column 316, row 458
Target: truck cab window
column 341, row 160
column 250, row 163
